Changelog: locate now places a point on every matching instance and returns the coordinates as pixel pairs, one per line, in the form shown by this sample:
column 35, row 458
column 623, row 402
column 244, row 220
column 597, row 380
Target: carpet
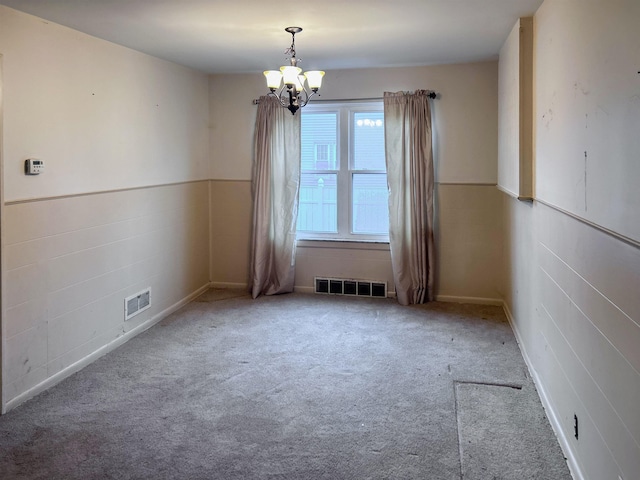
column 501, row 433
column 295, row 386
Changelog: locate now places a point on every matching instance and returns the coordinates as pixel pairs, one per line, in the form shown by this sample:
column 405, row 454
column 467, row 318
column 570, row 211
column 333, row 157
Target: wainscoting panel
column 571, row 294
column 71, row 262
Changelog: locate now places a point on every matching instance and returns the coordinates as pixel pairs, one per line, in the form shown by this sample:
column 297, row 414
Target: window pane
column 317, row 210
column 319, row 136
column 368, row 141
column 370, row 203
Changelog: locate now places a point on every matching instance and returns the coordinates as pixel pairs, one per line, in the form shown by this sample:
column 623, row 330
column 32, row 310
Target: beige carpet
column 294, row 387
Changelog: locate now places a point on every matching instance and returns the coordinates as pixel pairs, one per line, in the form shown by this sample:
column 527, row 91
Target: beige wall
column 342, row 260
column 122, row 204
column 515, row 112
column 231, row 211
column 465, row 115
column 465, row 148
column 468, row 236
column 100, row 116
column 509, row 113
column 571, row 286
column 589, row 114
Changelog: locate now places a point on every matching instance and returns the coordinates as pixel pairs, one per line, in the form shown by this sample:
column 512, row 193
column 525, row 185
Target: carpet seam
column 455, row 409
column 456, row 383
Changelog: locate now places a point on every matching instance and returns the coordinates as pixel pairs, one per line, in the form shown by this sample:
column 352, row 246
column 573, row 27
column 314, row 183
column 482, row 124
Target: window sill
column 344, row 244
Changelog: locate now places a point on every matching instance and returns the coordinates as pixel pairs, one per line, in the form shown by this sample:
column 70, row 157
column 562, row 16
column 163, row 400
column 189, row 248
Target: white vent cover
column 137, row 303
column 345, row 286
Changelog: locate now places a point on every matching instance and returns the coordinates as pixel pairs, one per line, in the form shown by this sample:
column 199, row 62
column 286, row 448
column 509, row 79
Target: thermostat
column 33, row 166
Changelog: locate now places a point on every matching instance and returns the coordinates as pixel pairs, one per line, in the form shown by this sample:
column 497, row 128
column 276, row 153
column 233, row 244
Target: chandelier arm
column 307, row 97
column 293, row 105
column 278, row 95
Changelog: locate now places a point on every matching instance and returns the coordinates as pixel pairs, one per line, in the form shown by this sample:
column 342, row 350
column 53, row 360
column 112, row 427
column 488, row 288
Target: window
column 343, row 187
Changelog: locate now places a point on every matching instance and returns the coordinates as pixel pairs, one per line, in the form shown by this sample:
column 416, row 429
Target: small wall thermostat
column 33, row 166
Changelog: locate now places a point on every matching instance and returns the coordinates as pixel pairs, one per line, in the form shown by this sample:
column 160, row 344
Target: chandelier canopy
column 288, row 85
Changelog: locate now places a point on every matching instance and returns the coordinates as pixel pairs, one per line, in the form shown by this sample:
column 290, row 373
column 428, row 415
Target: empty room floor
column 296, row 386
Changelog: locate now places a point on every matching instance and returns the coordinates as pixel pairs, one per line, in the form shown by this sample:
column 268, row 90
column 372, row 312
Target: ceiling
column 241, row 36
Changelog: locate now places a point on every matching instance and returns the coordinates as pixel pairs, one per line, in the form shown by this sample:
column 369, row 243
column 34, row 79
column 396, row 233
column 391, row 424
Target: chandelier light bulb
column 290, row 75
column 314, row 79
column 274, row 78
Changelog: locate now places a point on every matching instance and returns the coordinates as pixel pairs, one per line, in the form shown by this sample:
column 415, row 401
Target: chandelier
column 288, row 85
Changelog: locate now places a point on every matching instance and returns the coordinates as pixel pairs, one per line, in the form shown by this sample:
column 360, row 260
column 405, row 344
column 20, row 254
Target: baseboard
column 92, row 357
column 303, row 289
column 572, row 461
column 474, row 300
column 229, row 285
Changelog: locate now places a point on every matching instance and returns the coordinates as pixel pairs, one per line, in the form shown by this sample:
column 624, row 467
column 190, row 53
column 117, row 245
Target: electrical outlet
column 575, row 425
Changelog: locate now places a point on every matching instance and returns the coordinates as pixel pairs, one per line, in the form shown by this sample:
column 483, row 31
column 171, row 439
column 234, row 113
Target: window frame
column 345, row 171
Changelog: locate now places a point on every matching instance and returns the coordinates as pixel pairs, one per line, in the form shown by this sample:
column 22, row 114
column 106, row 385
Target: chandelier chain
column 292, row 50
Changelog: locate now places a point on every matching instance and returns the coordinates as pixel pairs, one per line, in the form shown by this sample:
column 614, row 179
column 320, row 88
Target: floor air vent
column 356, row 288
column 137, row 303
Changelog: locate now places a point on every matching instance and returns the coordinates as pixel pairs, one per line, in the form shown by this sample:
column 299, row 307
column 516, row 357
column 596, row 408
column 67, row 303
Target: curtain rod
column 431, row 95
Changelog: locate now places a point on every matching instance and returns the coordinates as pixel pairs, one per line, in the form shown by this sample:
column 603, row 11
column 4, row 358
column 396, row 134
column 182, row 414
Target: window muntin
column 343, row 191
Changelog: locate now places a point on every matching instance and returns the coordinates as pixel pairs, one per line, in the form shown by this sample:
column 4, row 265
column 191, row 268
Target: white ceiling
column 224, row 36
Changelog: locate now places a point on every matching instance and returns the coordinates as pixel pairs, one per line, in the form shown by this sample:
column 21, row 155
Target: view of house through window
column 343, row 189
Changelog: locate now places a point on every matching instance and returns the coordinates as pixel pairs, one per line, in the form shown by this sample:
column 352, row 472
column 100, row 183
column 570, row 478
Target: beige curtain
column 409, row 157
column 275, row 183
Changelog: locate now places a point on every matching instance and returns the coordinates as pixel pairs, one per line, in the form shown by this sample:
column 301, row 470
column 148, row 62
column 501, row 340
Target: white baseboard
column 229, row 285
column 474, row 300
column 572, row 461
column 303, row 289
column 92, row 357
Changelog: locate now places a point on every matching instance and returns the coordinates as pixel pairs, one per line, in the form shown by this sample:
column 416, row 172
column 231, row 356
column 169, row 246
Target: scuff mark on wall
column 547, row 117
column 585, row 181
column 579, row 86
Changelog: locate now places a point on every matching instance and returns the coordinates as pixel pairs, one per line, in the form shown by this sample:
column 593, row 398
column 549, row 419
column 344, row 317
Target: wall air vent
column 137, row 303
column 355, row 288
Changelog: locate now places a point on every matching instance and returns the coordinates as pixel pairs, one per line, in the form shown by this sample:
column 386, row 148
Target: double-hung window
column 343, row 184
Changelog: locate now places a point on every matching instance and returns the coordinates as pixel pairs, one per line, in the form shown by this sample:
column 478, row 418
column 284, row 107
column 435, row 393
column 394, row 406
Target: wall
column 509, row 113
column 589, row 118
column 515, row 112
column 107, row 117
column 572, row 273
column 122, row 204
column 465, row 149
